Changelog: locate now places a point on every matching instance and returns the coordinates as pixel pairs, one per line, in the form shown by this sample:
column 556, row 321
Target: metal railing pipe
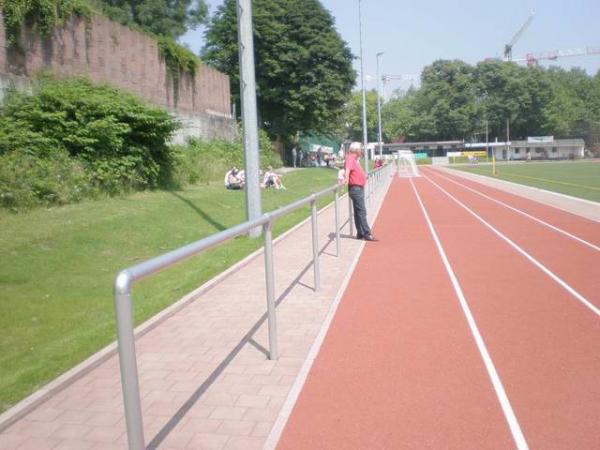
column 270, row 283
column 350, row 214
column 127, row 362
column 166, row 260
column 337, row 223
column 315, row 245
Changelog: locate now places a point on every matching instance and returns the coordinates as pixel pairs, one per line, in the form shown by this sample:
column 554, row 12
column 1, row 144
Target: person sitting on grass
column 272, row 179
column 234, row 179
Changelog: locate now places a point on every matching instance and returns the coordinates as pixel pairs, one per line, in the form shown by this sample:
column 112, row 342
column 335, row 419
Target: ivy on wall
column 177, row 58
column 45, row 15
column 42, row 15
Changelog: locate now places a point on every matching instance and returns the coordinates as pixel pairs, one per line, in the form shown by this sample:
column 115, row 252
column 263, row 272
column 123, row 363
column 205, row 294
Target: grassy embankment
column 57, row 266
column 578, row 179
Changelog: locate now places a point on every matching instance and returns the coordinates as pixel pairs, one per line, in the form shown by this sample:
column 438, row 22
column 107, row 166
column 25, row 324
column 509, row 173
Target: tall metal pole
column 487, row 140
column 249, row 114
column 379, row 107
column 364, row 94
column 507, row 139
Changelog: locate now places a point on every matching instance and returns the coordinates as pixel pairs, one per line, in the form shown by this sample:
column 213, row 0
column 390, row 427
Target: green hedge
column 116, row 142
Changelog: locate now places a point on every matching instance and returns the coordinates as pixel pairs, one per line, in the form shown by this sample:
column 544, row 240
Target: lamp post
column 249, row 113
column 364, row 94
column 380, row 139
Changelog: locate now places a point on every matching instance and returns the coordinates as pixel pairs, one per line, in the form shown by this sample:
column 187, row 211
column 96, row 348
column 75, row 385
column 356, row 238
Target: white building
column 540, row 148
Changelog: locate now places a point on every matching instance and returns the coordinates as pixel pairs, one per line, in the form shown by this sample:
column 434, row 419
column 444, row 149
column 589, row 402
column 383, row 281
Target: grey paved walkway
column 205, row 379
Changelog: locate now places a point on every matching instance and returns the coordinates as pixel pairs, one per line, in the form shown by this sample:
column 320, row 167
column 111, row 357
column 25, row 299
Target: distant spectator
column 294, row 155
column 378, row 162
column 271, row 179
column 300, row 157
column 234, row 179
column 319, row 156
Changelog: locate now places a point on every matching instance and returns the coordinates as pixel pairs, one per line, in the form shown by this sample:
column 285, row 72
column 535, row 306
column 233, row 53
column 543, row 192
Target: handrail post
column 315, row 244
column 270, row 282
column 350, row 214
column 127, row 362
column 337, row 222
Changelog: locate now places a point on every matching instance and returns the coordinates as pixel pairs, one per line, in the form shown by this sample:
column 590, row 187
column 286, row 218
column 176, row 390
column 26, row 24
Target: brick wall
column 105, row 51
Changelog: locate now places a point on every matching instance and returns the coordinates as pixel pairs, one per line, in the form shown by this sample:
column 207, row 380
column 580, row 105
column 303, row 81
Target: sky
column 414, row 34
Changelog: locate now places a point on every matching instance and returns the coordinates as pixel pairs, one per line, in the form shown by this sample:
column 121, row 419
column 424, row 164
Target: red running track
column 399, row 367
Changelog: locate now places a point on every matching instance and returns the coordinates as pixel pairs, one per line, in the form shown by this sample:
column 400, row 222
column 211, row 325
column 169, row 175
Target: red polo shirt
column 354, row 173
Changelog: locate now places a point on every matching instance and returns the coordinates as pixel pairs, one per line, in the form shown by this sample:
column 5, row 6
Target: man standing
column 356, row 180
column 319, row 156
column 294, row 155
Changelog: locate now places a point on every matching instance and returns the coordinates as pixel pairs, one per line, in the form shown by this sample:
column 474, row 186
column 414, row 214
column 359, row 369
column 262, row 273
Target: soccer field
column 579, row 179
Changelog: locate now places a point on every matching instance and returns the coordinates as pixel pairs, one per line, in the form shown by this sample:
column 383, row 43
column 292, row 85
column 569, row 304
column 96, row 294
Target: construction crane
column 532, row 58
column 407, row 77
column 509, row 47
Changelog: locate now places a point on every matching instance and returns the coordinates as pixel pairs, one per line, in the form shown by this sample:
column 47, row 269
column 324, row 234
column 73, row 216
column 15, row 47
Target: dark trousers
column 357, row 194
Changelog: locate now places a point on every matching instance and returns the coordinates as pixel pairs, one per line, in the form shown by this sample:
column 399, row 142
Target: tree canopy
column 456, row 99
column 304, row 69
column 171, row 18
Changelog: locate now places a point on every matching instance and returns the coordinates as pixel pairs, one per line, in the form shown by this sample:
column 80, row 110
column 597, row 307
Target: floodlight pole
column 487, row 140
column 507, row 139
column 379, row 107
column 364, row 94
column 249, row 114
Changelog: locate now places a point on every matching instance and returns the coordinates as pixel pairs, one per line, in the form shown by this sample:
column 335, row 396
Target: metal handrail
column 126, row 278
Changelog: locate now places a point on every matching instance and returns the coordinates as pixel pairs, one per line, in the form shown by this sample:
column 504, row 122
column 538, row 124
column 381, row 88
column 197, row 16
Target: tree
column 508, row 91
column 445, row 104
column 352, row 117
column 171, row 18
column 303, row 68
column 570, row 110
column 399, row 117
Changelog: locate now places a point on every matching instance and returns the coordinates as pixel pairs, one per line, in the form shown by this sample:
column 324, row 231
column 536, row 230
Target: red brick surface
column 107, row 52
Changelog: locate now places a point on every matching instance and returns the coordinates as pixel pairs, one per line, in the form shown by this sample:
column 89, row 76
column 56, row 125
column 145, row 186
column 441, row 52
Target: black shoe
column 370, row 238
column 359, row 237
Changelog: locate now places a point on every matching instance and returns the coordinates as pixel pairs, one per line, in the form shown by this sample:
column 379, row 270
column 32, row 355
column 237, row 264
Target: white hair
column 355, row 146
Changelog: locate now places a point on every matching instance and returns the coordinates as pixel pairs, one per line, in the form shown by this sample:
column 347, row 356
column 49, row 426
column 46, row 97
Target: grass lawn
column 579, row 179
column 57, row 267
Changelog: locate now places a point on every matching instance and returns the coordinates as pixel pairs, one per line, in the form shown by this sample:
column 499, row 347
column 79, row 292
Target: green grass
column 579, row 179
column 57, row 267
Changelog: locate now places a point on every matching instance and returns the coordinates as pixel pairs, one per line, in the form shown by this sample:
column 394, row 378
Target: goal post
column 407, row 164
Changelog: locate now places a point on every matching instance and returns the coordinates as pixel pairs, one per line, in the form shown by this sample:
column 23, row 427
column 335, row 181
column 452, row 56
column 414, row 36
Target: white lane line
column 538, row 264
column 292, row 397
column 509, row 414
column 533, row 188
column 512, row 208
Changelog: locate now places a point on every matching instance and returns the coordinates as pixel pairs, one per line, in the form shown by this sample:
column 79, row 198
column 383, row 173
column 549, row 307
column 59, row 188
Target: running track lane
column 575, row 263
column 544, row 344
column 584, row 228
column 398, row 367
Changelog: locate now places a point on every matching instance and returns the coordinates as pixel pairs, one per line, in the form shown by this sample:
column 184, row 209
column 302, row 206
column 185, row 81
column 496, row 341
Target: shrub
column 27, row 181
column 121, row 142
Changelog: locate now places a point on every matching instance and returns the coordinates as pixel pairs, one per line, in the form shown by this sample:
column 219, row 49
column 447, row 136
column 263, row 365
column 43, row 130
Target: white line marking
column 538, row 264
column 292, row 398
column 558, row 194
column 559, row 230
column 509, row 414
